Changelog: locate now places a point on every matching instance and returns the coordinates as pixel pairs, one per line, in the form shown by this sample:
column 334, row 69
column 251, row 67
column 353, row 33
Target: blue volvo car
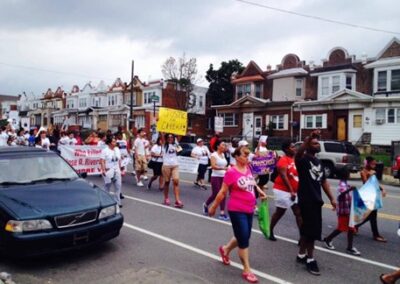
column 46, row 207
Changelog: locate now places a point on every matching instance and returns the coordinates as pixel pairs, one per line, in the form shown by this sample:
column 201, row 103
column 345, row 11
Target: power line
column 52, row 71
column 316, row 17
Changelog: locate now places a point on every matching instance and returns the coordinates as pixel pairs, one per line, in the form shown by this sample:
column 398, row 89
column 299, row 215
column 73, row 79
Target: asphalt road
column 161, row 244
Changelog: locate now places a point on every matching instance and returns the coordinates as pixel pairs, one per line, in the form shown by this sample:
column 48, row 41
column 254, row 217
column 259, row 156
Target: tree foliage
column 183, row 72
column 221, row 89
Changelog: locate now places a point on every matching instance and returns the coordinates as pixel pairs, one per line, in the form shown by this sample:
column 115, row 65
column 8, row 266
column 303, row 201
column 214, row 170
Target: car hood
column 52, row 198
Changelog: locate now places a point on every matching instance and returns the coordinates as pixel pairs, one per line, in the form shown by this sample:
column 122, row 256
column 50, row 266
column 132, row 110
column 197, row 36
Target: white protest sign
column 83, row 158
column 188, row 165
column 218, row 124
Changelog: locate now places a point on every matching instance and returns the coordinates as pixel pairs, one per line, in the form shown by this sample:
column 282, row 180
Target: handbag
column 263, row 218
column 151, row 164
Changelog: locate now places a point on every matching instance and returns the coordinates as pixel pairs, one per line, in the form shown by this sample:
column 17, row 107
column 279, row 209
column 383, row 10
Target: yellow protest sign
column 172, row 121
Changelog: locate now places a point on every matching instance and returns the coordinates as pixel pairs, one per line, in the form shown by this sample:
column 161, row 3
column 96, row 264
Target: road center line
column 204, row 253
column 356, row 258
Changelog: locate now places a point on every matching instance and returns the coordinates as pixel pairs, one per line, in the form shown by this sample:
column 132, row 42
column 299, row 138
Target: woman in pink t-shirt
column 240, row 183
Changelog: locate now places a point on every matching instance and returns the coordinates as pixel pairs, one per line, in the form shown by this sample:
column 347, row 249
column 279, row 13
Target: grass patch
column 385, row 158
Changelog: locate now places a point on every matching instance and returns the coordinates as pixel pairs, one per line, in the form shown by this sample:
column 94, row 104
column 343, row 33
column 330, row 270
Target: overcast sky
column 50, row 43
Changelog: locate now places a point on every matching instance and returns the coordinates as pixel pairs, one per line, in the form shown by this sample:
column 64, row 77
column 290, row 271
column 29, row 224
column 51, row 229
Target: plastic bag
column 263, row 218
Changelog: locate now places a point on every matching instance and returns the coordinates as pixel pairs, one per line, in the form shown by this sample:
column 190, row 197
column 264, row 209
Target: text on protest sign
column 263, row 164
column 188, row 165
column 172, row 121
column 84, row 159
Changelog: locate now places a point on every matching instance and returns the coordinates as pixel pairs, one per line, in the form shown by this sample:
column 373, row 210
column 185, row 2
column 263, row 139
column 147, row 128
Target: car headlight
column 27, row 225
column 108, row 211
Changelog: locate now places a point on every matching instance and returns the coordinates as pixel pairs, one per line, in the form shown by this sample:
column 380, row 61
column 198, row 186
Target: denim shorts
column 241, row 224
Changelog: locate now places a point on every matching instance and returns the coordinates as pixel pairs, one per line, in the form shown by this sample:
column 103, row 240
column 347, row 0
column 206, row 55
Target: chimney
column 311, row 65
column 268, row 67
column 364, row 58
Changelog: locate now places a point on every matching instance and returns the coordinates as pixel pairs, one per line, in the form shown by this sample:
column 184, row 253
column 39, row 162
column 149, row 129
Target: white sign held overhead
column 218, row 124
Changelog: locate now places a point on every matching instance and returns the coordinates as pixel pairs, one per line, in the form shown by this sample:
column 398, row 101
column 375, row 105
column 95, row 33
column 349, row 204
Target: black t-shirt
column 311, row 176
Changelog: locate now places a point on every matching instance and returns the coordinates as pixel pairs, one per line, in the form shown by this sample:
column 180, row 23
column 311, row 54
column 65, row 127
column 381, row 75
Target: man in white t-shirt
column 202, row 154
column 140, row 156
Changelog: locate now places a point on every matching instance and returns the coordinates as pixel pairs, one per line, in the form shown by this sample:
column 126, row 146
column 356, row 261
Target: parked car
column 46, row 207
column 335, row 155
column 186, row 149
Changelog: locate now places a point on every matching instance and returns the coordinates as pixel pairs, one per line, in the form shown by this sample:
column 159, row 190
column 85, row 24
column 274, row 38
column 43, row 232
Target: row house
column 8, row 109
column 109, row 107
column 41, row 113
column 357, row 100
column 263, row 99
column 347, row 98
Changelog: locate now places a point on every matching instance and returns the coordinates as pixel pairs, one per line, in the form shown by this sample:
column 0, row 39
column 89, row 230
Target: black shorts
column 157, row 168
column 311, row 227
column 201, row 171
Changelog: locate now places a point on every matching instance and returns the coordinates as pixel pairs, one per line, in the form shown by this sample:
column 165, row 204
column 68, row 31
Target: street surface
column 161, row 244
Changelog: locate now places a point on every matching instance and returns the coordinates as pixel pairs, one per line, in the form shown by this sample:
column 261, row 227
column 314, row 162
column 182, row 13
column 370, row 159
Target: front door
column 341, row 129
column 248, row 118
column 257, row 125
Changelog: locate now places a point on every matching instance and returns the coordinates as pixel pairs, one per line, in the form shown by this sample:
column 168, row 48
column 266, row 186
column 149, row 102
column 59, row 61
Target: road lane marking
column 204, row 253
column 356, row 258
column 328, row 206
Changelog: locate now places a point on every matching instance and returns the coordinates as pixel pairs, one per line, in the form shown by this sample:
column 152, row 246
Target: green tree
column 221, row 89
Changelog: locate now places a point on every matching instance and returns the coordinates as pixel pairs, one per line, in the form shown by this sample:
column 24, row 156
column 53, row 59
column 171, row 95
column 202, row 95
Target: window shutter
column 286, row 122
column 267, row 120
column 302, row 117
column 324, row 120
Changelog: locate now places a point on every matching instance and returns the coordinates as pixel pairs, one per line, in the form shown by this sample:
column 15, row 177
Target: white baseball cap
column 199, row 140
column 243, row 143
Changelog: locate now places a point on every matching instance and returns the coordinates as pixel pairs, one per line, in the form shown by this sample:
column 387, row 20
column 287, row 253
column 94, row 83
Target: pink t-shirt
column 241, row 188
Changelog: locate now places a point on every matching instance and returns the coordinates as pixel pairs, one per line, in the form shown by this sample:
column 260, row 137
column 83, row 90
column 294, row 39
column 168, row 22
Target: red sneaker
column 178, row 204
column 166, row 202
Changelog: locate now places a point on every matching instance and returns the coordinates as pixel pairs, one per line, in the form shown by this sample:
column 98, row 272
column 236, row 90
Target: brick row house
column 109, row 107
column 347, row 98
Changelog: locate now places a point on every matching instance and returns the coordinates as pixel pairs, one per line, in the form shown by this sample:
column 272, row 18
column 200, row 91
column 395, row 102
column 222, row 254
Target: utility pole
column 131, row 104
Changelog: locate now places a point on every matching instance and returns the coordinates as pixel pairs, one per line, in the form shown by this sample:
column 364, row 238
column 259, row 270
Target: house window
column 380, row 114
column 82, row 103
column 139, row 121
column 190, row 123
column 240, row 91
column 309, row 121
column 335, row 84
column 325, row 87
column 102, row 117
column 398, row 115
column 391, row 115
column 247, row 89
column 147, row 97
column 357, row 121
column 315, row 121
column 230, row 119
column 382, row 81
column 349, row 81
column 278, row 122
column 258, row 90
column 201, row 101
column 318, row 121
column 299, row 87
column 111, row 100
column 70, row 104
column 395, row 81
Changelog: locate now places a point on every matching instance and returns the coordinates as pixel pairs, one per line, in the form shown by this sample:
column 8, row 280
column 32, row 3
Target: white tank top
column 221, row 162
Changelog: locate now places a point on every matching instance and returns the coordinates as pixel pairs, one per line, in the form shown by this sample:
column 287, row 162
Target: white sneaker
column 353, row 251
column 144, row 177
column 140, row 183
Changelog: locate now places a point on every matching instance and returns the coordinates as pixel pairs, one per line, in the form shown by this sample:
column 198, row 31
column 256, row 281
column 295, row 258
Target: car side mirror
column 83, row 175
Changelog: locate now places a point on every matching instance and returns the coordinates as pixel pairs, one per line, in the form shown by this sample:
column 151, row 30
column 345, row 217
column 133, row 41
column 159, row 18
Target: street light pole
column 131, row 104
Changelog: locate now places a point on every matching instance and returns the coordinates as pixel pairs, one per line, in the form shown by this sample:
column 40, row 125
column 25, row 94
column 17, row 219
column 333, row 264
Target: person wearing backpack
column 285, row 187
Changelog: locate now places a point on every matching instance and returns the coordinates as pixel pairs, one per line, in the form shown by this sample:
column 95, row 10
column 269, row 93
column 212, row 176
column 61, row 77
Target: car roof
column 23, row 151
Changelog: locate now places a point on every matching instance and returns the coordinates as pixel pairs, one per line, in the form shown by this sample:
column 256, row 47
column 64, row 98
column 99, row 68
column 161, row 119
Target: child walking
column 343, row 212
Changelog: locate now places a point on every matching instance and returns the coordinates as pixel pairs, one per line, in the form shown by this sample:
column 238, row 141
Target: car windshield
column 28, row 169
